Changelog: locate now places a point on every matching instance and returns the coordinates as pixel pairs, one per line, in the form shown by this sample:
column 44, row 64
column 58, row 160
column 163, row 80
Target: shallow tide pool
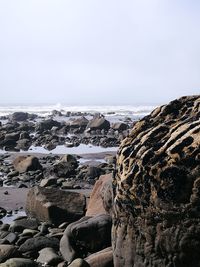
column 62, row 149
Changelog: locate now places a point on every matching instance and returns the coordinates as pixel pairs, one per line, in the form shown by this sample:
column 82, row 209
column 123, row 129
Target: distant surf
column 46, row 110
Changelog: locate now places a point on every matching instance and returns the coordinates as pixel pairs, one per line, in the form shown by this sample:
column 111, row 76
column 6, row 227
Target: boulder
column 88, row 235
column 8, row 144
column 12, row 136
column 11, row 237
column 19, row 116
column 79, row 263
column 47, row 125
column 23, row 144
column 98, row 123
column 100, row 196
column 48, row 256
column 24, row 223
column 19, row 262
column 48, row 182
column 119, row 126
column 103, row 258
column 54, row 205
column 24, row 134
column 156, row 218
column 93, row 172
column 6, row 252
column 66, row 166
column 79, row 123
column 26, row 163
column 35, row 244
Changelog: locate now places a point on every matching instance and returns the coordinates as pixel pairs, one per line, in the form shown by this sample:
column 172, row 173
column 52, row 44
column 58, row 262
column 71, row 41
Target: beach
column 48, row 134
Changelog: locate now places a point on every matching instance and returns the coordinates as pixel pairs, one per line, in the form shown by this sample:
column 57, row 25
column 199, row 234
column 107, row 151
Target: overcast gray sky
column 98, row 51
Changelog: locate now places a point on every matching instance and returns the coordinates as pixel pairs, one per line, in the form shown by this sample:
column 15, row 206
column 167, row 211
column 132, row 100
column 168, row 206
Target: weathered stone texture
column 156, row 220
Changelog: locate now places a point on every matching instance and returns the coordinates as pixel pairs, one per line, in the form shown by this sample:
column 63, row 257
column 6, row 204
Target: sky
column 96, row 52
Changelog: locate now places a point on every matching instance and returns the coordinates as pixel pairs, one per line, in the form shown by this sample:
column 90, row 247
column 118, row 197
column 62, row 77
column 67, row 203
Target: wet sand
column 15, row 199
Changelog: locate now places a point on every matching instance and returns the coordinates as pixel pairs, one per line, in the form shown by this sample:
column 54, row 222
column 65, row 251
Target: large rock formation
column 156, row 220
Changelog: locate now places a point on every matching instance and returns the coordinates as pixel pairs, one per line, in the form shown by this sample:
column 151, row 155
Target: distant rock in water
column 156, row 220
column 19, row 116
column 98, row 123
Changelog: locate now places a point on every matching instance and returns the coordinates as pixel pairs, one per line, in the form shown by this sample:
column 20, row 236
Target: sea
column 112, row 111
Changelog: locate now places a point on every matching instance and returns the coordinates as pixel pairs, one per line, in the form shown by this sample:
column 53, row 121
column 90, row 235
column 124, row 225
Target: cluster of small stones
column 156, row 220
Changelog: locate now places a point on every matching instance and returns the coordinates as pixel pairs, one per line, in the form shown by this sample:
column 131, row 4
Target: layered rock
column 156, row 220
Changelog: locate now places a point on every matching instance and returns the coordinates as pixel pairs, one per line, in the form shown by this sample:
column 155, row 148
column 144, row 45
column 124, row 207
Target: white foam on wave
column 45, row 110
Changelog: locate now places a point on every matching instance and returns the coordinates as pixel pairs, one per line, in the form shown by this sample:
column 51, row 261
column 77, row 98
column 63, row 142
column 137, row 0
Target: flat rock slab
column 54, row 205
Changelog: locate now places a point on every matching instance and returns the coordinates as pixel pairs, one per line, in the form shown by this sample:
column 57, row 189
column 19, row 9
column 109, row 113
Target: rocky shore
column 137, row 208
column 23, row 131
column 43, row 194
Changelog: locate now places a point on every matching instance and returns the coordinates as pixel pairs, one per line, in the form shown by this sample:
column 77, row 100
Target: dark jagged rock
column 6, row 252
column 156, row 219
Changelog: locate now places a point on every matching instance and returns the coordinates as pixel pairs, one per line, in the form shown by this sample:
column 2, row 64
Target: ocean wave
column 45, row 110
